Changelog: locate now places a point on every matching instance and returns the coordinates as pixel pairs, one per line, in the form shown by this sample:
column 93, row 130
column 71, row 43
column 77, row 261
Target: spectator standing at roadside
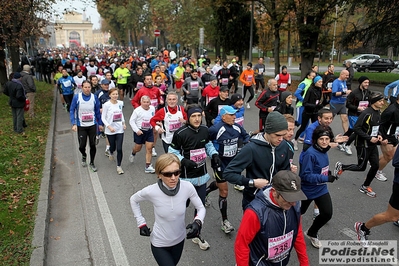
column 30, row 88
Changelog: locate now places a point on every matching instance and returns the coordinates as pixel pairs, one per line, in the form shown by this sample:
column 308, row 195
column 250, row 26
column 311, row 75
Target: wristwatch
column 251, row 183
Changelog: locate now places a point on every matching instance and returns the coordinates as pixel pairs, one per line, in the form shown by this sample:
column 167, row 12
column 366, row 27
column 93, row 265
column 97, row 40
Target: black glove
column 332, row 178
column 194, row 229
column 145, row 231
column 188, row 163
column 216, row 162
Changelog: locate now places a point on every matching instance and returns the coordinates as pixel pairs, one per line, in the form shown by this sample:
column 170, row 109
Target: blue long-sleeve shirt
column 239, row 114
column 67, row 84
column 73, row 114
column 395, row 90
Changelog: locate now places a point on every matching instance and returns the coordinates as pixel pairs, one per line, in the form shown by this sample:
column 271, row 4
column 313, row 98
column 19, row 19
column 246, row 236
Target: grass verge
column 21, row 167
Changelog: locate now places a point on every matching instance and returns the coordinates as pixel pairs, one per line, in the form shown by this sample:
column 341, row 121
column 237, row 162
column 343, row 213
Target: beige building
column 74, row 30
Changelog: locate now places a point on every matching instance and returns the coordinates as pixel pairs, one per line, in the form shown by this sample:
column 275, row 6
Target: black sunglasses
column 169, row 174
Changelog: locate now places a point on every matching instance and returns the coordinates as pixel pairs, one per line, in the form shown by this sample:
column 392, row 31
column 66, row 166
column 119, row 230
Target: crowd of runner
column 172, row 95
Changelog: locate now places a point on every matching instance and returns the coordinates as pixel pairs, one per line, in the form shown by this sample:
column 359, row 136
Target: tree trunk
column 14, row 54
column 276, row 50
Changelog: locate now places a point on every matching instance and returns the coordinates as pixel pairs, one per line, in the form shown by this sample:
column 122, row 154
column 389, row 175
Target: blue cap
column 227, row 110
column 105, row 82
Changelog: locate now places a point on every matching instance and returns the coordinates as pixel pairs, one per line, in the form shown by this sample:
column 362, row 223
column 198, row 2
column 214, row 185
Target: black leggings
column 68, row 100
column 326, row 211
column 363, row 155
column 304, row 123
column 201, row 191
column 168, row 256
column 115, row 143
column 251, row 91
column 83, row 134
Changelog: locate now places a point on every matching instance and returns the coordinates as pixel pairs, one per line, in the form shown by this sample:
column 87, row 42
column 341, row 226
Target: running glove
column 194, row 229
column 188, row 163
column 216, row 162
column 332, row 178
column 144, row 230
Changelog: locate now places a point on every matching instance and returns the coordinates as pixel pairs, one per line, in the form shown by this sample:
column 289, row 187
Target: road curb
column 40, row 232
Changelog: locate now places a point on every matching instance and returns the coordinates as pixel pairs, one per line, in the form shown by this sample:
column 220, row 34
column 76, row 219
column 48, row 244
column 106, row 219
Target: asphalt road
column 91, row 222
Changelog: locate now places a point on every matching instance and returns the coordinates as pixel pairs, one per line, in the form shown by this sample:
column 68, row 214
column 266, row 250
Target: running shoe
column 227, row 227
column 111, row 157
column 154, row 153
column 102, row 135
column 380, row 176
column 341, row 147
column 314, row 240
column 119, row 170
column 248, row 106
column 301, row 140
column 93, row 167
column 348, row 150
column 107, row 153
column 84, row 164
column 315, row 214
column 338, row 169
column 396, row 223
column 295, row 144
column 239, row 188
column 368, row 191
column 207, row 201
column 149, row 169
column 362, row 236
column 97, row 139
column 201, row 242
column 256, row 95
column 131, row 158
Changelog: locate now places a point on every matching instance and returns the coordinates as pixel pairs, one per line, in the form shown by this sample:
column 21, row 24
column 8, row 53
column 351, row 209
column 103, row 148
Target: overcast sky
column 91, row 9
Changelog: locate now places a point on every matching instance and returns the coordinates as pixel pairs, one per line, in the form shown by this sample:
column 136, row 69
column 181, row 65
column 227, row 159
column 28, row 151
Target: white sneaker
column 314, row 240
column 239, row 188
column 107, row 153
column 341, row 147
column 154, row 153
column 227, row 227
column 201, row 242
column 348, row 150
column 131, row 158
column 207, row 201
column 119, row 170
column 380, row 176
column 149, row 169
column 295, row 144
column 248, row 107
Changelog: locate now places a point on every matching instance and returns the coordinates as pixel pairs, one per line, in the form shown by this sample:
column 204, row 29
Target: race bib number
column 117, row 117
column 194, row 85
column 249, row 78
column 273, row 107
column 279, row 247
column 154, row 102
column 261, row 71
column 145, row 124
column 198, row 156
column 329, row 85
column 174, row 125
column 283, row 85
column 240, row 121
column 139, row 85
column 363, row 104
column 324, row 170
column 207, row 83
column 88, row 117
column 210, row 99
column 67, row 83
column 374, row 131
column 225, row 81
column 230, row 150
column 220, row 107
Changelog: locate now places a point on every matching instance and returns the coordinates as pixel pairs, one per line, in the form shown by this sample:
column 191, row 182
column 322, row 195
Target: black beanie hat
column 362, row 79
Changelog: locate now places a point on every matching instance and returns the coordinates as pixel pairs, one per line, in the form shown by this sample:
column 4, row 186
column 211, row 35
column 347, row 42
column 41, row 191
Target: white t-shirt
column 140, row 119
column 169, row 227
column 112, row 115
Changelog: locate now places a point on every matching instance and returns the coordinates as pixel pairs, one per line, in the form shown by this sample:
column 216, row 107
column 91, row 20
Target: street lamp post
column 335, row 29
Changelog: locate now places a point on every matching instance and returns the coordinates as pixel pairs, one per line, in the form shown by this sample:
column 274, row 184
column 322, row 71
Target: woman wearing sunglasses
column 169, row 196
